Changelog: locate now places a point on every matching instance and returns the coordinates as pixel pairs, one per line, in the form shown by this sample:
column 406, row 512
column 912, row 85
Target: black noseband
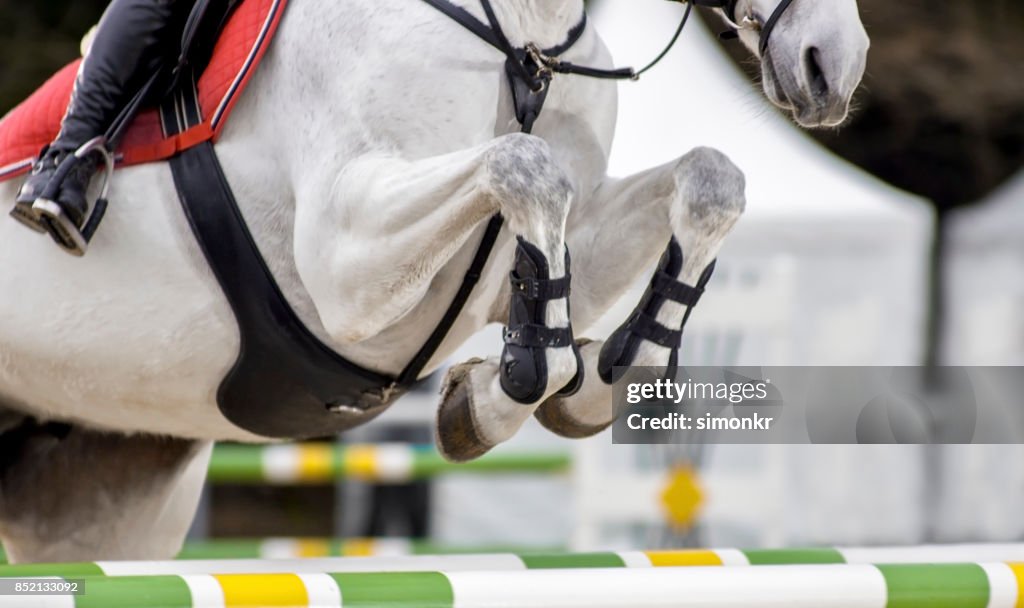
column 729, row 8
column 766, row 29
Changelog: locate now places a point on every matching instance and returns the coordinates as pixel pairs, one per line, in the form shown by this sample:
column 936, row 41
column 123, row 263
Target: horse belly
column 133, row 337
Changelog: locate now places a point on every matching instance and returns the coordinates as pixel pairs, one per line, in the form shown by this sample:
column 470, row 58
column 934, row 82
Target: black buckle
column 541, row 289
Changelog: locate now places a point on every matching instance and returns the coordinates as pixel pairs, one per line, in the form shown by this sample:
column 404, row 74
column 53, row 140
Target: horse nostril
column 815, row 75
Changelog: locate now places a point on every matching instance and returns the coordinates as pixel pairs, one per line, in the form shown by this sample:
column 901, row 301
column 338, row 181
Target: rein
column 547, row 62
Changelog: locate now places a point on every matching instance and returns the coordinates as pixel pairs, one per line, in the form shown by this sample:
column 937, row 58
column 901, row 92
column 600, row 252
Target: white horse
column 374, row 143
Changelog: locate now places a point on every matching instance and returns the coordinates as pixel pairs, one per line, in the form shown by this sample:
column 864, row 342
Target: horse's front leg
column 681, row 211
column 400, row 222
column 484, row 402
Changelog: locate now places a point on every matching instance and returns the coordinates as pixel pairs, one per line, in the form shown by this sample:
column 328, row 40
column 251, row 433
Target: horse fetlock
column 652, row 334
column 585, row 413
column 539, row 344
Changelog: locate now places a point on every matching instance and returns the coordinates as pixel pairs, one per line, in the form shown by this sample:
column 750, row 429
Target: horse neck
column 544, row 22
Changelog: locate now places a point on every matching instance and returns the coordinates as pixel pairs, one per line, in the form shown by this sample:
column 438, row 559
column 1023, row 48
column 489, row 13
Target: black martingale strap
column 466, row 20
column 539, row 336
column 412, row 371
column 542, row 289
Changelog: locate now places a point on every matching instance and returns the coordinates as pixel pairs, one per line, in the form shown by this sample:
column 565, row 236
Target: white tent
column 984, row 282
column 852, row 249
column 826, row 267
column 983, row 495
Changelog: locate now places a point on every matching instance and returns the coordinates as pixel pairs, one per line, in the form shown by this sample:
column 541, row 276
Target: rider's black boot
column 71, row 195
column 128, row 48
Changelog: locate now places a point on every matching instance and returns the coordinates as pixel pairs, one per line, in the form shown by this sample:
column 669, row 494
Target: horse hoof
column 456, row 436
column 556, row 416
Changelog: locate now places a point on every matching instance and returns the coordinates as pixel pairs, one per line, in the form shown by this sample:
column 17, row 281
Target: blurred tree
column 941, row 111
column 37, row 38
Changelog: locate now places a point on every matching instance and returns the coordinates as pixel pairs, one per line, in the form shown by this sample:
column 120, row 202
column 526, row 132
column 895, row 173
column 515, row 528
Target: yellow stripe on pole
column 358, row 547
column 316, row 462
column 361, row 461
column 270, row 590
column 684, row 557
column 1018, row 573
column 312, row 547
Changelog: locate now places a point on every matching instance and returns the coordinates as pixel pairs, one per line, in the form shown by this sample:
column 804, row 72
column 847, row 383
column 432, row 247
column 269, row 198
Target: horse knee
column 711, row 189
column 533, row 192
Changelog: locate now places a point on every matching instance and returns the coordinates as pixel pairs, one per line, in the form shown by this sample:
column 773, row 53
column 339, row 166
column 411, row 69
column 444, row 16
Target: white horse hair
column 376, row 139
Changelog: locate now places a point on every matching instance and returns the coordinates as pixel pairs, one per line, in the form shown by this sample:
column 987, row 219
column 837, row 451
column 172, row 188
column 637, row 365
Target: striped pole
column 936, row 554
column 298, row 463
column 292, row 548
column 297, row 548
column 991, row 585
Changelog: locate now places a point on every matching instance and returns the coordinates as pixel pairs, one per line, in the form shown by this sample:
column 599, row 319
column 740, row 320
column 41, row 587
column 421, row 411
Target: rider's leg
column 132, row 39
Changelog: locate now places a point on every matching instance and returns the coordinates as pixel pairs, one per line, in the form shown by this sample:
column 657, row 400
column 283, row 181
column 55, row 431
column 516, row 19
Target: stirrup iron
column 63, row 231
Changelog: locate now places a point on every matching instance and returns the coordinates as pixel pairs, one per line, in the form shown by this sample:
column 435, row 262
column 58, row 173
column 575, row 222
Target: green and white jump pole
column 964, row 585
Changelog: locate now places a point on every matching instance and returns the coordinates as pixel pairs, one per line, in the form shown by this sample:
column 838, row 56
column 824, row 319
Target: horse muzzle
column 817, row 94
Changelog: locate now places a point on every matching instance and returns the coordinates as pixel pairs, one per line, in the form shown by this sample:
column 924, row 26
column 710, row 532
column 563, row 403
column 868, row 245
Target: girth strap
column 285, row 382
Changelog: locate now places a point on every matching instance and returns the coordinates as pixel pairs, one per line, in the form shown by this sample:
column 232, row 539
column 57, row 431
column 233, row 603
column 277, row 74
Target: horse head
column 813, row 54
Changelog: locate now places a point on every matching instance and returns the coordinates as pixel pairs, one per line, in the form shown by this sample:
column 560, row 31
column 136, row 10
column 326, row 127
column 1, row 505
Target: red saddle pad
column 241, row 46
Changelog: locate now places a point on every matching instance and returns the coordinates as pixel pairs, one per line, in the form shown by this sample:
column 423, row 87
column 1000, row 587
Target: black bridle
column 546, row 62
column 751, row 21
column 529, row 71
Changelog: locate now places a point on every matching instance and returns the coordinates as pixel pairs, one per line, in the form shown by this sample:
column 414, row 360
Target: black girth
column 285, row 382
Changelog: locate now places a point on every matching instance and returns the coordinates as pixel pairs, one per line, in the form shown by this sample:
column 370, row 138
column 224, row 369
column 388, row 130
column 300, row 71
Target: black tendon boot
column 131, row 42
column 620, row 349
column 524, row 368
